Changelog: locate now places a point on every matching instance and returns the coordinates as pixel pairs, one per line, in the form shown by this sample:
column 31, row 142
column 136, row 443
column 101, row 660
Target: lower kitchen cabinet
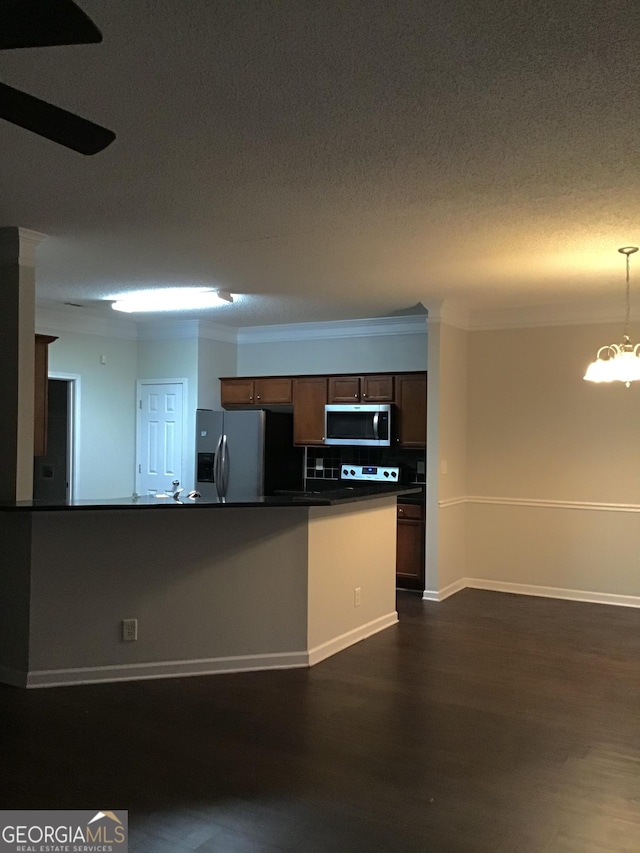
column 410, row 546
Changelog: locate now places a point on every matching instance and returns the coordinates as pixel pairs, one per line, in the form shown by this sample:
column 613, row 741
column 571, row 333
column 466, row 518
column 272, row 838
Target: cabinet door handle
column 400, row 512
column 258, row 397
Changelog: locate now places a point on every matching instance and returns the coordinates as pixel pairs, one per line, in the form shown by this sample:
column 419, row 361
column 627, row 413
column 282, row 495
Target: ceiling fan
column 44, row 23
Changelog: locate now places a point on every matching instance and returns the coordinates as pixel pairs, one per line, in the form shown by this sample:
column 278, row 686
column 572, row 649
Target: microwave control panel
column 373, row 473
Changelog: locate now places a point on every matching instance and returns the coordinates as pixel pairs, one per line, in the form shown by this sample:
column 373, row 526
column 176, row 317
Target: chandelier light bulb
column 618, row 362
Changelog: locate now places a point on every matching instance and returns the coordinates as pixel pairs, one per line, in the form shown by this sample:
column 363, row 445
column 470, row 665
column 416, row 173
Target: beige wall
column 537, row 430
column 206, row 585
column 446, row 457
column 540, row 442
column 351, row 546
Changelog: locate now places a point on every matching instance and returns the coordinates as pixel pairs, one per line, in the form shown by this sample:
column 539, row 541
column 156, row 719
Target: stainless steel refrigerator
column 247, row 453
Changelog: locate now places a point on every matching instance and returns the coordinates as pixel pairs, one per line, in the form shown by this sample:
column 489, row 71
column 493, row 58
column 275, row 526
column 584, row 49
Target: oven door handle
column 375, row 426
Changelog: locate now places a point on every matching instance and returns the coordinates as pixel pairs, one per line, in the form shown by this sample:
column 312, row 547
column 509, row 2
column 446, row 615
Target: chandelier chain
column 628, row 311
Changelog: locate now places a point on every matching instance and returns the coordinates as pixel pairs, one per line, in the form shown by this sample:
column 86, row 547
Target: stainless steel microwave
column 367, row 425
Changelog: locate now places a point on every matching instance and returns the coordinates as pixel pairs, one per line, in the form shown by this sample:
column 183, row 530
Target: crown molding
column 528, row 316
column 76, row 321
column 185, row 330
column 408, row 325
column 215, row 332
column 449, row 314
column 167, row 331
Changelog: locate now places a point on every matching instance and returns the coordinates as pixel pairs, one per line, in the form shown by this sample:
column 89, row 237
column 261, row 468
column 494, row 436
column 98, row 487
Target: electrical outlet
column 319, row 465
column 129, row 629
column 357, row 592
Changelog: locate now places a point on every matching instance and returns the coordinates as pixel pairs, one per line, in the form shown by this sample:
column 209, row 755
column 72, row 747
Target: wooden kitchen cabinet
column 308, row 396
column 260, row 391
column 41, row 396
column 344, row 389
column 361, row 389
column 377, row 389
column 411, row 409
column 410, row 544
column 237, row 392
column 274, row 390
column 309, row 400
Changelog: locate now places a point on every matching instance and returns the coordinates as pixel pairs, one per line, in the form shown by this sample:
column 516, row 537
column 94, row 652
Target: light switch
column 444, row 467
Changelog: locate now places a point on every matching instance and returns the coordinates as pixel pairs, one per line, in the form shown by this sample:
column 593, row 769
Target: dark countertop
column 329, row 497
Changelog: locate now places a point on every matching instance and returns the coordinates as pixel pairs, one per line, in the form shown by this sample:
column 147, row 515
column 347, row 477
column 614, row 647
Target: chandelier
column 618, row 362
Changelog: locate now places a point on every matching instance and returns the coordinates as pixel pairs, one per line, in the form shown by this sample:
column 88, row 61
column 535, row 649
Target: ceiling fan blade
column 53, row 122
column 41, row 23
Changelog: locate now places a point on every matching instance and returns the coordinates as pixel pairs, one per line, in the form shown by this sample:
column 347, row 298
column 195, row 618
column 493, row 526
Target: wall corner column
column 447, row 390
column 17, row 336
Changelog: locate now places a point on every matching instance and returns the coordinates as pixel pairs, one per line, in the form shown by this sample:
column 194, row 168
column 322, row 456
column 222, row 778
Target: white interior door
column 160, row 436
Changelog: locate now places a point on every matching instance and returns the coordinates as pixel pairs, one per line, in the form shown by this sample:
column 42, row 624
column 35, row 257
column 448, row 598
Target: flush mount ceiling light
column 172, row 299
column 618, row 362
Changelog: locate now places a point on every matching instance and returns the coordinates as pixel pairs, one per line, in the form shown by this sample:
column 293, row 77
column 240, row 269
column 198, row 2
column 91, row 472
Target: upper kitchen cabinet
column 275, row 390
column 361, row 389
column 262, row 391
column 237, row 392
column 41, row 385
column 411, row 409
column 309, row 400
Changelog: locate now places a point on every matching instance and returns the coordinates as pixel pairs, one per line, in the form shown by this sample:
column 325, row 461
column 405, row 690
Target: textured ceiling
column 333, row 159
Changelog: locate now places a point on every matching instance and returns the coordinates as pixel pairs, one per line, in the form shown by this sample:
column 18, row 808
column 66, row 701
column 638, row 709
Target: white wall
column 366, row 354
column 553, row 462
column 107, row 409
column 215, row 359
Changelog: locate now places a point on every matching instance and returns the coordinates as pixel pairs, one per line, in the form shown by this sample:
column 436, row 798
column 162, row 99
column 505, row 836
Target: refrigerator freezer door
column 208, row 432
column 243, row 454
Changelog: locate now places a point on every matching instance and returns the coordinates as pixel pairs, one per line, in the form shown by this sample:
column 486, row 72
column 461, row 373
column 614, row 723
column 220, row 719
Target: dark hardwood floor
column 489, row 722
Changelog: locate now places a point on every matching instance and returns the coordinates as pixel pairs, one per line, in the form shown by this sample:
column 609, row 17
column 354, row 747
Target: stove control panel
column 372, row 473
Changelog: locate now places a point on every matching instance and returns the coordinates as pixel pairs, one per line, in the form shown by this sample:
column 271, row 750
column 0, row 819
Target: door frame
column 140, row 383
column 73, row 429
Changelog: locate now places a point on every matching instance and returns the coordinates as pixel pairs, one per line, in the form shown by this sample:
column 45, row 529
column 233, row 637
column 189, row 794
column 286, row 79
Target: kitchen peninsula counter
column 258, row 583
column 327, row 497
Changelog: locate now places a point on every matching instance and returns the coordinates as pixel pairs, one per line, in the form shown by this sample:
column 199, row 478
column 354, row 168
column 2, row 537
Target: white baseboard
column 13, row 677
column 445, row 592
column 332, row 647
column 555, row 592
column 532, row 589
column 164, row 669
column 209, row 666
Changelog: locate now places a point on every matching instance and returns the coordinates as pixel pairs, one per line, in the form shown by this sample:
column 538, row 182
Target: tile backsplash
column 324, row 463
